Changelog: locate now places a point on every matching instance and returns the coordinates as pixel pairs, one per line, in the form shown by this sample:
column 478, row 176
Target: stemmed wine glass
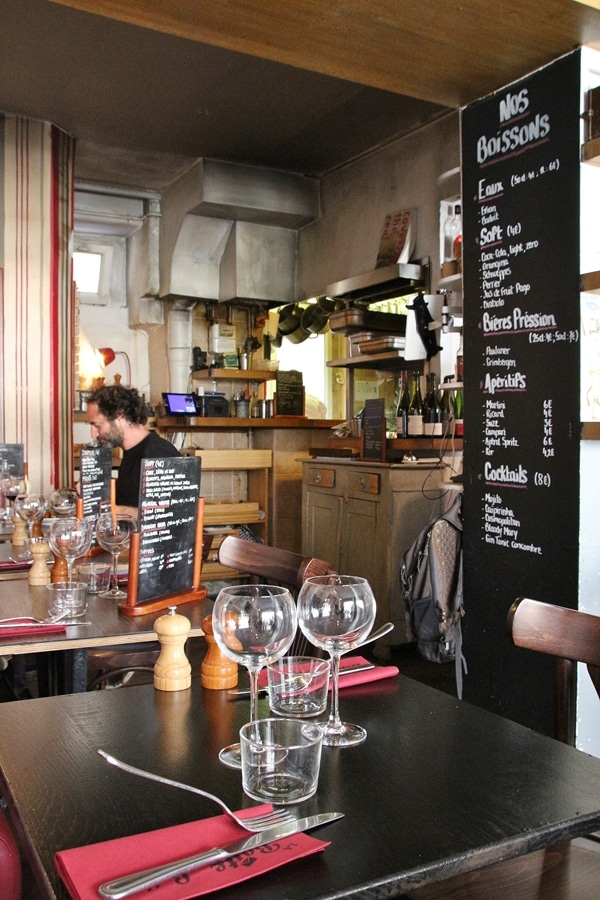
column 336, row 613
column 70, row 538
column 31, row 508
column 113, row 533
column 63, row 502
column 253, row 624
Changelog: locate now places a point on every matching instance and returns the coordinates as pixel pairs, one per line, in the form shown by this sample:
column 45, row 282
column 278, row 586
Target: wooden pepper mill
column 60, row 570
column 39, row 572
column 20, row 533
column 217, row 671
column 172, row 670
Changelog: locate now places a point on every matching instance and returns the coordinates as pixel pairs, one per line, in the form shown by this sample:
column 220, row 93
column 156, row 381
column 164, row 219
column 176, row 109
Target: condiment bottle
column 172, row 670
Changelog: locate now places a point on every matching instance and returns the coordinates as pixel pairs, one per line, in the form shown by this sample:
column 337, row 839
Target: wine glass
column 335, row 613
column 253, row 624
column 70, row 538
column 63, row 502
column 31, row 508
column 113, row 533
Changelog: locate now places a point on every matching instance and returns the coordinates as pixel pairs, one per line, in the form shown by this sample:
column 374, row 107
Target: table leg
column 74, row 671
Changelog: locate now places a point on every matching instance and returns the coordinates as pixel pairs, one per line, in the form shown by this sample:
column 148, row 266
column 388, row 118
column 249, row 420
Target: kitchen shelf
column 234, row 375
column 590, row 282
column 590, row 152
column 393, row 359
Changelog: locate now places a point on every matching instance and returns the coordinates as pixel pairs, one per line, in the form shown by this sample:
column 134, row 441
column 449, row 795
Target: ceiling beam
column 437, row 50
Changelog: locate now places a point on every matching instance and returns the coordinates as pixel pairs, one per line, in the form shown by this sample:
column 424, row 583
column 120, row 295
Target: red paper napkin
column 7, row 565
column 350, row 679
column 30, row 630
column 84, row 869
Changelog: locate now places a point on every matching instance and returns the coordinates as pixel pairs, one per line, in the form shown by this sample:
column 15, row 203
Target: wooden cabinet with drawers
column 362, row 517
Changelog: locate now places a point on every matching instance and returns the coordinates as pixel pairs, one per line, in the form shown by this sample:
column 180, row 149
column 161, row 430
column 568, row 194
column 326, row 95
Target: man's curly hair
column 114, row 400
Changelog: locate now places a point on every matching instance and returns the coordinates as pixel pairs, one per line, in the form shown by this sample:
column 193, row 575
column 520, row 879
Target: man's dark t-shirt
column 128, row 482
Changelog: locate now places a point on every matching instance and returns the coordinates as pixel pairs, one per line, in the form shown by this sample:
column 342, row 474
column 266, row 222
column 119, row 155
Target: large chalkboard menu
column 520, row 170
column 168, row 515
column 95, row 468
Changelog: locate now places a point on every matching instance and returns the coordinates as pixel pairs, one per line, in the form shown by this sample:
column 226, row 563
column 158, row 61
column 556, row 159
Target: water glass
column 67, row 595
column 95, row 576
column 298, row 686
column 280, row 759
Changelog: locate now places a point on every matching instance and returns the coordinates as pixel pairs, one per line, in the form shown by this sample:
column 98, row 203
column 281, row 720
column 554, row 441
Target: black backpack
column 431, row 580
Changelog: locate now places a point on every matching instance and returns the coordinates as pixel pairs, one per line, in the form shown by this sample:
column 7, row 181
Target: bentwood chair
column 272, row 565
column 10, row 863
column 569, row 635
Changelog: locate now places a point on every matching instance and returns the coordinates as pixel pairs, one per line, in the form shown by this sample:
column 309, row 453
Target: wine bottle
column 458, row 413
column 447, row 408
column 432, row 416
column 403, row 406
column 415, row 410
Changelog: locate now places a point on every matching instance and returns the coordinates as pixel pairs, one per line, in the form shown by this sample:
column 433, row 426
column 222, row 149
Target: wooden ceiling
column 443, row 51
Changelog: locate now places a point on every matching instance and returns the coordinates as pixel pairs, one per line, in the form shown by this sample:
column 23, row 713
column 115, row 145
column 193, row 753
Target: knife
column 129, row 884
column 346, row 670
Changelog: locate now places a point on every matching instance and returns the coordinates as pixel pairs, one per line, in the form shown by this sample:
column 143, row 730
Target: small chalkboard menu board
column 289, row 396
column 95, row 468
column 14, row 454
column 168, row 527
column 520, row 183
column 373, row 443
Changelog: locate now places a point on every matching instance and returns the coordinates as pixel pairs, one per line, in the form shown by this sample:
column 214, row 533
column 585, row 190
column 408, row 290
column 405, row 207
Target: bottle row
column 440, row 413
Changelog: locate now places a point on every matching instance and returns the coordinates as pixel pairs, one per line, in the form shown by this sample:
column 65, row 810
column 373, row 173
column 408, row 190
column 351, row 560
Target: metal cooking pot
column 315, row 319
column 290, row 318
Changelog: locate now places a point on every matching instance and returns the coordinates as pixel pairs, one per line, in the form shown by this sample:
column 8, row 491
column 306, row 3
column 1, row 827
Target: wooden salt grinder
column 60, row 570
column 217, row 671
column 39, row 572
column 172, row 670
column 20, row 533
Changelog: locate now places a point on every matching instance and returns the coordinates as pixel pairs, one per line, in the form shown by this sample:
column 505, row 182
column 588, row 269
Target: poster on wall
column 520, row 170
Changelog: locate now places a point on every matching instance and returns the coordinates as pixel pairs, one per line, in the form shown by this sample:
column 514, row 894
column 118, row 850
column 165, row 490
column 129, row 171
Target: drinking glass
column 113, row 533
column 70, row 538
column 336, row 613
column 31, row 508
column 253, row 624
column 62, row 502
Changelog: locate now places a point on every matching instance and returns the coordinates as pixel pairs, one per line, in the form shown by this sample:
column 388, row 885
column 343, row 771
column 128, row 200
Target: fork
column 15, row 621
column 251, row 823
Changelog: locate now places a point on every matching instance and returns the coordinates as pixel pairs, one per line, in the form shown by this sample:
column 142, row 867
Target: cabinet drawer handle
column 362, row 484
column 317, row 478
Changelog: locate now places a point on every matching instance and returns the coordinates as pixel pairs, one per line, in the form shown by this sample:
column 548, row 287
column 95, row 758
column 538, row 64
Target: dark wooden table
column 66, row 654
column 439, row 787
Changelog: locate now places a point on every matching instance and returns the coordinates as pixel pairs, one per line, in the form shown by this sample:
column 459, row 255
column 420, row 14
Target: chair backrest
column 10, row 863
column 272, row 565
column 568, row 634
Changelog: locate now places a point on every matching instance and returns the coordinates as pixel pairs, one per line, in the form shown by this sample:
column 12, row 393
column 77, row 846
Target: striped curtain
column 36, row 328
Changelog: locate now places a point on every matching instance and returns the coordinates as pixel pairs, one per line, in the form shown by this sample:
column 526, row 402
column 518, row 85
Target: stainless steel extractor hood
column 381, row 284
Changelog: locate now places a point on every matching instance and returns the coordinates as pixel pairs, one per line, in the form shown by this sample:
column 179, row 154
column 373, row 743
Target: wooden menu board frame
column 146, row 584
column 373, row 444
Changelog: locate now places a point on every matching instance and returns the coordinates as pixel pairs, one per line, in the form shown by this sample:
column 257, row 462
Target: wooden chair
column 10, row 863
column 571, row 636
column 272, row 565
